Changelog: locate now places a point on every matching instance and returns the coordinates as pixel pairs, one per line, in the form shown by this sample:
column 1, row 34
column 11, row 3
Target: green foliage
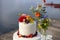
column 42, row 24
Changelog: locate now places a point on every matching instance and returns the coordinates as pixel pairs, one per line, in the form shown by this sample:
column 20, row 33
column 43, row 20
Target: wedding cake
column 27, row 29
column 33, row 28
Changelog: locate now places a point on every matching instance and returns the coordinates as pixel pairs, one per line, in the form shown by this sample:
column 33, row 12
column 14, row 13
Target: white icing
column 15, row 37
column 26, row 29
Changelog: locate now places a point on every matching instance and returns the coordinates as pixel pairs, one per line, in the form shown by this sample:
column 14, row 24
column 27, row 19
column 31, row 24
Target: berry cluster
column 25, row 18
column 29, row 36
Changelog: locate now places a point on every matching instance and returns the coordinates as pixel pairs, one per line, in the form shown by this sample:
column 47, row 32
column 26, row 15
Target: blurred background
column 9, row 10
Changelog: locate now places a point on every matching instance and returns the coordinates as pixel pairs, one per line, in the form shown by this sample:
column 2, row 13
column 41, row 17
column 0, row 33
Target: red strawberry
column 22, row 18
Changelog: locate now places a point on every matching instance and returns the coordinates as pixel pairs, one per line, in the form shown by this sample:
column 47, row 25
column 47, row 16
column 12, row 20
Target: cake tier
column 38, row 37
column 15, row 37
column 27, row 29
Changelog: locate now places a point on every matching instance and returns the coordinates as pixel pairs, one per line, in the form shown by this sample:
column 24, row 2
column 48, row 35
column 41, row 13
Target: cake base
column 15, row 37
column 38, row 37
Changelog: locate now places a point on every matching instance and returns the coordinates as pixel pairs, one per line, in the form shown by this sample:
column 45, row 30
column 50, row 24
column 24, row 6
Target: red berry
column 22, row 18
column 20, row 35
column 27, row 21
column 30, row 36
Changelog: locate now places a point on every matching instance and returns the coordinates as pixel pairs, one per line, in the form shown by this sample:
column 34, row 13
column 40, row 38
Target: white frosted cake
column 27, row 29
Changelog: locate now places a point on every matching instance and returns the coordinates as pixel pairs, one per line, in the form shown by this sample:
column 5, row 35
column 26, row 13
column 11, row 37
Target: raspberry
column 30, row 35
column 18, row 33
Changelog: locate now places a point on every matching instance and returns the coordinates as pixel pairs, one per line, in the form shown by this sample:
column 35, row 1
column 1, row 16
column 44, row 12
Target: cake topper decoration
column 26, row 18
